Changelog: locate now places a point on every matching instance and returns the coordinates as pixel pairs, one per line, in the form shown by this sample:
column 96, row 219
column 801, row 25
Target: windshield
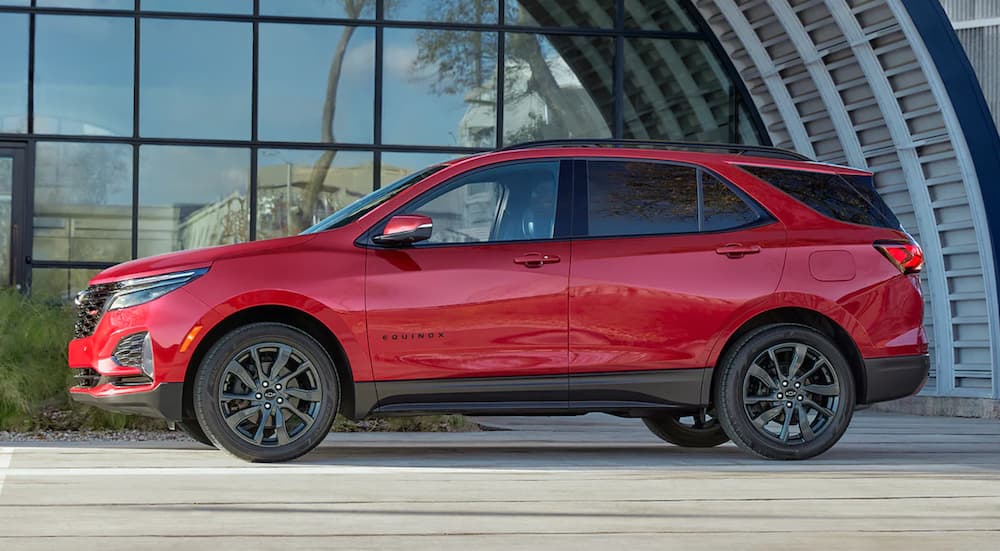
column 365, row 204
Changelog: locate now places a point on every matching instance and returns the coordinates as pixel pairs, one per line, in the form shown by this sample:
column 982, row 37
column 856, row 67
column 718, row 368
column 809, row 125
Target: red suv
column 747, row 295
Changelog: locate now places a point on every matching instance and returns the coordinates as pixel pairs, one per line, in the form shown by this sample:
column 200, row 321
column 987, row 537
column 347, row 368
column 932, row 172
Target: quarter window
column 722, row 208
column 643, row 198
column 506, row 203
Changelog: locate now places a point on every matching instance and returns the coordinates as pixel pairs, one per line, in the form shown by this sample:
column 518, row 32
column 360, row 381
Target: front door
column 478, row 311
column 13, row 265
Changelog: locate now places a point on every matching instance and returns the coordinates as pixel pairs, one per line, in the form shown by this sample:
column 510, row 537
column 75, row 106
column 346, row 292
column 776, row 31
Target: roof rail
column 738, row 149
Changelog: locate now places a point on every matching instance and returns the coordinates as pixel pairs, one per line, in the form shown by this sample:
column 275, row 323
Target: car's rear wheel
column 785, row 392
column 191, row 428
column 266, row 392
column 700, row 429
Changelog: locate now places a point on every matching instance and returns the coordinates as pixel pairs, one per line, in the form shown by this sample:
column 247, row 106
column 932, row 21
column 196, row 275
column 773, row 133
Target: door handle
column 737, row 250
column 536, row 260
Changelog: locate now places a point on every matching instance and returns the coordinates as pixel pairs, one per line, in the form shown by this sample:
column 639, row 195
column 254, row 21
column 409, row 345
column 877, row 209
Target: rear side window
column 722, row 209
column 644, row 198
column 850, row 200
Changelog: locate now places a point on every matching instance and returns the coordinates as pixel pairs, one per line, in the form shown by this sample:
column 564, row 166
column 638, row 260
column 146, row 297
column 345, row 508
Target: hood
column 196, row 258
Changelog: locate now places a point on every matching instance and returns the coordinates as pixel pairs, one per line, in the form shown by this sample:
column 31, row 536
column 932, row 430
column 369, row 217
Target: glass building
column 158, row 125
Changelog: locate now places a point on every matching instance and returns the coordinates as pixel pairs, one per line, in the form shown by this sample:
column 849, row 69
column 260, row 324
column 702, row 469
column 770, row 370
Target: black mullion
column 31, row 71
column 402, row 148
column 254, row 98
column 377, row 97
column 72, row 265
column 252, row 231
column 499, row 88
column 619, row 71
column 136, row 67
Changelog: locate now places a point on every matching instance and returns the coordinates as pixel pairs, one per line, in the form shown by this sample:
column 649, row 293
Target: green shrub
column 33, row 374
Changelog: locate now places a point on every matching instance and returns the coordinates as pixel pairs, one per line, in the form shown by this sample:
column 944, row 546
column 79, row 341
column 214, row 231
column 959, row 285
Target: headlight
column 134, row 292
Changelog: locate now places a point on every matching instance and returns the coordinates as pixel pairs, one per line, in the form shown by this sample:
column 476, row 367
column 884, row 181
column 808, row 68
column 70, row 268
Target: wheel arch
column 274, row 313
column 809, row 318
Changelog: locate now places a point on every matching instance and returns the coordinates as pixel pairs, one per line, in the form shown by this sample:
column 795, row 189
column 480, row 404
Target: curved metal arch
column 870, row 56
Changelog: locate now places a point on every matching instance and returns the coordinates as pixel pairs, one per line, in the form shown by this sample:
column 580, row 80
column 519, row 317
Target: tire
column 266, row 392
column 812, row 378
column 704, row 430
column 191, row 428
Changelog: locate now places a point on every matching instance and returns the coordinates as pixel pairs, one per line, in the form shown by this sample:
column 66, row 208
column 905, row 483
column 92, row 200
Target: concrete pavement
column 596, row 482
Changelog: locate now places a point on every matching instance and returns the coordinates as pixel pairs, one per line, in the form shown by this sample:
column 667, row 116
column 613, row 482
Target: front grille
column 128, row 353
column 90, row 308
column 87, row 378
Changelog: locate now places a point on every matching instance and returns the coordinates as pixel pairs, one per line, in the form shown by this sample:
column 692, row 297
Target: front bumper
column 894, row 377
column 162, row 400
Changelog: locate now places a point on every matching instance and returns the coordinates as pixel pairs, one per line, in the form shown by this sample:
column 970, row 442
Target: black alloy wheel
column 785, row 392
column 267, row 392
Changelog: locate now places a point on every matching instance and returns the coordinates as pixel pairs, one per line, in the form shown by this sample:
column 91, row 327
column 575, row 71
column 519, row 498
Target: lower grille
column 87, row 378
column 128, row 353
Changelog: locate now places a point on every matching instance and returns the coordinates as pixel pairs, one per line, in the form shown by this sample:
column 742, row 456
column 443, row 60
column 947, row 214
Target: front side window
column 646, row 198
column 514, row 202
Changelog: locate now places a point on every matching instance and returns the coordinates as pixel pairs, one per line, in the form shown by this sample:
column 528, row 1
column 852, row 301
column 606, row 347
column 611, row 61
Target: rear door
column 668, row 254
column 477, row 313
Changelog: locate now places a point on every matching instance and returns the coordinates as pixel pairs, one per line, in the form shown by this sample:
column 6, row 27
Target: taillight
column 906, row 256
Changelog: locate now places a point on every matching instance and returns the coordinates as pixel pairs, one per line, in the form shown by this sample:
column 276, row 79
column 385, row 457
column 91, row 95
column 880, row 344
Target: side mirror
column 405, row 229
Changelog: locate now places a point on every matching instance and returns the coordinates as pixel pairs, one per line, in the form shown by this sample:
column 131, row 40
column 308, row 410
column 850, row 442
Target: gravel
column 94, row 436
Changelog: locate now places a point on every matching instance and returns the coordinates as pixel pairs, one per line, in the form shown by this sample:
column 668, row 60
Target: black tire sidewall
column 669, row 429
column 729, row 392
column 192, row 428
column 208, row 378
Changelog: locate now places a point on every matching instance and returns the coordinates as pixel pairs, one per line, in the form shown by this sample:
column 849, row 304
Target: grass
column 34, row 378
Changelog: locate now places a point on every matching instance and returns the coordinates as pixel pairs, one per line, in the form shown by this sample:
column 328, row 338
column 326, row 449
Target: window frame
column 581, row 206
column 564, row 201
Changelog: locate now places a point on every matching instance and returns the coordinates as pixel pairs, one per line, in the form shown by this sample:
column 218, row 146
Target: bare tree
column 464, row 60
column 302, row 219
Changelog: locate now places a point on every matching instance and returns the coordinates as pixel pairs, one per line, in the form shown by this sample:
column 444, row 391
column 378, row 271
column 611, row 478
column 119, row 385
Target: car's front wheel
column 700, row 429
column 266, row 392
column 785, row 392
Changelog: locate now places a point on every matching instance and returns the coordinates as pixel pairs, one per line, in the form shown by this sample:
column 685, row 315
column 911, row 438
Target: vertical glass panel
column 13, row 72
column 83, row 202
column 440, row 87
column 200, row 6
column 195, row 79
column 84, row 75
column 350, row 9
column 451, row 11
column 6, row 195
column 595, row 14
column 748, row 133
column 557, row 87
column 191, row 197
column 59, row 283
column 398, row 165
column 15, row 2
column 296, row 188
column 298, row 64
column 88, row 4
column 657, row 15
column 676, row 90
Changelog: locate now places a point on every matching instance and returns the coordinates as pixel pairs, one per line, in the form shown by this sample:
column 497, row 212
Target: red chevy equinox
column 742, row 294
